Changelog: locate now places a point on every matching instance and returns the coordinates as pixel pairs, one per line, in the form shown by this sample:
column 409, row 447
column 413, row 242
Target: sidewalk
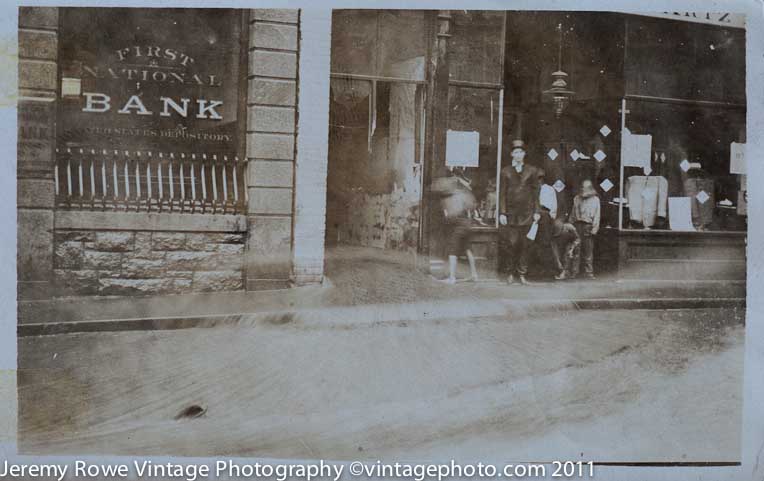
column 367, row 286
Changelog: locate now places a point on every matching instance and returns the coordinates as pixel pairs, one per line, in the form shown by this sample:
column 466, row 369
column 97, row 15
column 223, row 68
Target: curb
column 349, row 317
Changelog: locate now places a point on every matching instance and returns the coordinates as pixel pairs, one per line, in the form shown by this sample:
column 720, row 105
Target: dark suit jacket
column 519, row 194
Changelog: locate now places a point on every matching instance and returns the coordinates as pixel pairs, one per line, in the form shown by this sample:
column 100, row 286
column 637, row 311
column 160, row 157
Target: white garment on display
column 647, row 198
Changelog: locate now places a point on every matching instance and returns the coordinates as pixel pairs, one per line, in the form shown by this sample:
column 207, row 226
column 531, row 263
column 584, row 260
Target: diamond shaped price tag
column 663, row 157
column 600, row 156
column 684, row 165
column 702, row 197
column 606, row 185
column 552, row 154
column 559, row 186
column 575, row 154
column 605, row 130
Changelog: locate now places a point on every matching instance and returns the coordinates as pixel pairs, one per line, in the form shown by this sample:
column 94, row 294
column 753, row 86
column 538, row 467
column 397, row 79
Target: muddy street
column 631, row 385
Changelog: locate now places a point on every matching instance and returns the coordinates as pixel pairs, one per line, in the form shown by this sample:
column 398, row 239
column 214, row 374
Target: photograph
column 382, row 235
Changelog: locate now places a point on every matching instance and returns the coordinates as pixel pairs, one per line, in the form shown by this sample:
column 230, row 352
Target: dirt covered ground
column 618, row 385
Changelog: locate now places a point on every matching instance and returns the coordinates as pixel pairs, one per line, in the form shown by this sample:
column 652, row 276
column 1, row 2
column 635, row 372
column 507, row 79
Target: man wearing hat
column 519, row 209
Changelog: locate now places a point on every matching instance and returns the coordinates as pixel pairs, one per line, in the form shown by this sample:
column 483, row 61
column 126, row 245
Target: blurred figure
column 585, row 215
column 458, row 203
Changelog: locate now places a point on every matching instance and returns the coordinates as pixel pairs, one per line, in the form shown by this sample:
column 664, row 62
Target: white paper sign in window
column 680, row 213
column 462, row 148
column 737, row 158
column 635, row 149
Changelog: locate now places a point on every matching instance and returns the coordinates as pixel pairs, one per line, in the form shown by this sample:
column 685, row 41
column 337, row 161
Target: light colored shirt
column 548, row 199
column 586, row 209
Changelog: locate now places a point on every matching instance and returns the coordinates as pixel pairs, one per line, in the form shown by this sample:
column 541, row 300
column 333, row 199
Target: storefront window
column 472, row 145
column 475, row 49
column 381, row 43
column 684, row 60
column 684, row 167
column 374, row 178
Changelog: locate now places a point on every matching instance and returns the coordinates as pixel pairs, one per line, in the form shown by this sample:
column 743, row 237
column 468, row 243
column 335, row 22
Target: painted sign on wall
column 150, row 79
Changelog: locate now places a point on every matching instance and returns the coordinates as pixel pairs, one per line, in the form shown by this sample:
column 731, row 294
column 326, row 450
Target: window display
column 696, row 152
column 475, row 112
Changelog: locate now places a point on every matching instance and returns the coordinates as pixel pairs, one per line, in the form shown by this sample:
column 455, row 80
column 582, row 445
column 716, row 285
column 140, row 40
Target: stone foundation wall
column 110, row 262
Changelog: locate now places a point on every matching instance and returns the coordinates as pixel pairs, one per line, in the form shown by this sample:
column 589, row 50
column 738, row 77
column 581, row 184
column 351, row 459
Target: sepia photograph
column 380, row 235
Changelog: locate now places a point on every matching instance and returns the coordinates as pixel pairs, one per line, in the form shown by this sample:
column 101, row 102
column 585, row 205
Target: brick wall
column 271, row 131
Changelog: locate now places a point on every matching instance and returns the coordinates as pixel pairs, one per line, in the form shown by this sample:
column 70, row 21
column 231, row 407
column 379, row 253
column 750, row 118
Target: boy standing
column 585, row 215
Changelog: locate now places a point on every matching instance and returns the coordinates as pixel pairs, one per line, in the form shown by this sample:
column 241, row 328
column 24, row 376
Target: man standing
column 519, row 207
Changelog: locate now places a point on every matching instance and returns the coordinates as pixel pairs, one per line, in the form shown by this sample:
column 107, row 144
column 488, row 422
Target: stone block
column 185, row 260
column 36, row 138
column 38, row 44
column 76, row 282
column 200, row 241
column 270, row 146
column 38, row 17
column 34, row 231
column 98, row 260
column 275, row 15
column 143, row 243
column 266, row 35
column 232, row 238
column 114, row 241
column 35, row 193
column 179, row 274
column 168, row 241
column 225, row 237
column 68, row 255
column 218, row 281
column 272, row 92
column 266, row 200
column 75, row 235
column 182, row 285
column 264, row 63
column 34, row 74
column 267, row 284
column 136, row 268
column 269, row 173
column 268, row 253
column 271, row 119
column 235, row 250
column 150, row 255
column 108, row 286
column 216, row 261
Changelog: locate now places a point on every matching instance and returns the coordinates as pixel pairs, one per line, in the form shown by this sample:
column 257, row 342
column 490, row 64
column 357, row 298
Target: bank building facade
column 191, row 150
